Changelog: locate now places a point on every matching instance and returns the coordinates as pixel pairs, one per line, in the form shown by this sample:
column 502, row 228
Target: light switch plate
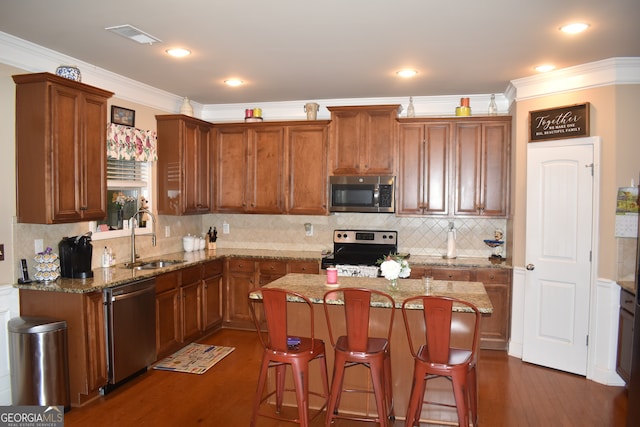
column 225, row 228
column 38, row 246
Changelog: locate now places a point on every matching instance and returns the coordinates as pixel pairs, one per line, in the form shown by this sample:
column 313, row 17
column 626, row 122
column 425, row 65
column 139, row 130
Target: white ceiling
column 302, row 50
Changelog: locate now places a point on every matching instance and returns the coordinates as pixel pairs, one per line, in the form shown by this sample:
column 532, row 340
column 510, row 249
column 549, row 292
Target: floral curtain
column 129, row 143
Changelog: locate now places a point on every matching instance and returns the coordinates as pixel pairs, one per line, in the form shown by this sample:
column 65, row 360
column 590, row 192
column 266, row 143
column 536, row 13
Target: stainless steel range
column 355, row 252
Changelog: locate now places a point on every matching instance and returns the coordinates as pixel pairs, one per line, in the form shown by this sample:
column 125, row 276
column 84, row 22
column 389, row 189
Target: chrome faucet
column 133, row 225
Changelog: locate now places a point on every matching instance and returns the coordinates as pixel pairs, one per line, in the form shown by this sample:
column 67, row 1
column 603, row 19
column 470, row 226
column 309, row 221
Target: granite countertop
column 435, row 261
column 628, row 285
column 119, row 275
column 314, row 286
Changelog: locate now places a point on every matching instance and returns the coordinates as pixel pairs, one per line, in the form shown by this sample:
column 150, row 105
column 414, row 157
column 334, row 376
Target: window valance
column 129, row 143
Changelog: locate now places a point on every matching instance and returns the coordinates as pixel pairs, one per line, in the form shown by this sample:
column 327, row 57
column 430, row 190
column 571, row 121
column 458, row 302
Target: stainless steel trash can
column 39, row 362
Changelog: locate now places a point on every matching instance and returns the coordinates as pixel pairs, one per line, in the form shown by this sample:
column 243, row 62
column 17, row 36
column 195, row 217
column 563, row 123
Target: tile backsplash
column 416, row 235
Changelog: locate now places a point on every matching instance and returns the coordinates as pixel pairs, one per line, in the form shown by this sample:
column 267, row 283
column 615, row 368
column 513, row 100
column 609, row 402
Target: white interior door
column 558, row 254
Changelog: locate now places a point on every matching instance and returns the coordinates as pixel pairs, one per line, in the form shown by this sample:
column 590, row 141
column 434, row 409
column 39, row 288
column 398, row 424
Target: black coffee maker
column 75, row 257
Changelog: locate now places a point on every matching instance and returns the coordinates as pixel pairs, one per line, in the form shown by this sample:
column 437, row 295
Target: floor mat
column 194, row 358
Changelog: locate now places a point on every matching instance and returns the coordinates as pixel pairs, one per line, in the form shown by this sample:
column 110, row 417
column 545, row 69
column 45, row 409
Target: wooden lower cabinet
column 494, row 328
column 168, row 322
column 188, row 305
column 625, row 335
column 303, row 267
column 240, row 279
column 244, row 274
column 270, row 270
column 84, row 314
column 191, row 303
column 212, row 295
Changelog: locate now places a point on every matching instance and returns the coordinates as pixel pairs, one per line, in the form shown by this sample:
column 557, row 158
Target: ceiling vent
column 133, row 33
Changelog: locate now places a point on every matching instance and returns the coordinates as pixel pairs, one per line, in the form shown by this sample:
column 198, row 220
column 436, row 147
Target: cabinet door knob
column 530, row 267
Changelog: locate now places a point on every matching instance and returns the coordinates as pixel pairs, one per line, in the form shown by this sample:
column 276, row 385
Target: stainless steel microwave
column 362, row 194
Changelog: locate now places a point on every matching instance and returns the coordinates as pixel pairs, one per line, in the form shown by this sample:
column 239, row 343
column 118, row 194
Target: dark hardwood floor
column 511, row 393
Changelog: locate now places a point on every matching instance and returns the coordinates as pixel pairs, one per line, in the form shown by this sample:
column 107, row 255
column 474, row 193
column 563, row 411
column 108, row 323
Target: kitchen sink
column 151, row 265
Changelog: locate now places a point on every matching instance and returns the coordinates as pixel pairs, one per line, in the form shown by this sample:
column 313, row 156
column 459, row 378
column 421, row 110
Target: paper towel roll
column 451, row 244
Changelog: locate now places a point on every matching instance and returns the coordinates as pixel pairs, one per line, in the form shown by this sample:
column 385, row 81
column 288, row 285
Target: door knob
column 530, row 267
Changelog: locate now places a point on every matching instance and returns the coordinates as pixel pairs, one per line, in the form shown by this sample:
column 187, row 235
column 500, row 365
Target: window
column 130, row 153
column 128, row 189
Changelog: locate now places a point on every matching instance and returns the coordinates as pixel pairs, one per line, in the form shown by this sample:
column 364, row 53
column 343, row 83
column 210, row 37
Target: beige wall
column 611, row 119
column 7, row 172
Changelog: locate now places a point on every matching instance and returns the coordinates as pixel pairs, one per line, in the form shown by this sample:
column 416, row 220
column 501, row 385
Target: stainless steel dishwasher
column 130, row 316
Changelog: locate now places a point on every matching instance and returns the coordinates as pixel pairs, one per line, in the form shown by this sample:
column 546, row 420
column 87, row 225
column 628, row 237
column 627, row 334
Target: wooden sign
column 571, row 121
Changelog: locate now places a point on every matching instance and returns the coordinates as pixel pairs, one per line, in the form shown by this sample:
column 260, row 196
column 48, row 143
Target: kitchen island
column 199, row 293
column 314, row 287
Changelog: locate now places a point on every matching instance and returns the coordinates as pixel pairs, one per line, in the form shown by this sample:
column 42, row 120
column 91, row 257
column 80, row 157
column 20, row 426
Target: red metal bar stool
column 359, row 346
column 448, row 348
column 282, row 350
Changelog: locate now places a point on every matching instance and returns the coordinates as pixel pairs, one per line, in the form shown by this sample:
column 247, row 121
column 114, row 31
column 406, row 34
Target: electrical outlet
column 167, row 231
column 308, row 229
column 225, row 228
column 38, row 246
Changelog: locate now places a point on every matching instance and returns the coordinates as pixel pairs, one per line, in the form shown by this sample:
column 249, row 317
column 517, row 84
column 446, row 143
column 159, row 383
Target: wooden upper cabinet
column 482, row 167
column 185, row 160
column 231, row 155
column 423, row 169
column 250, row 169
column 363, row 140
column 265, row 192
column 61, row 150
column 307, row 165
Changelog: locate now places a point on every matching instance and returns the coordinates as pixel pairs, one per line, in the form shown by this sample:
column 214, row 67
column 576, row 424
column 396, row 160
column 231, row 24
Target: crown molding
column 34, row 58
column 612, row 71
column 425, row 106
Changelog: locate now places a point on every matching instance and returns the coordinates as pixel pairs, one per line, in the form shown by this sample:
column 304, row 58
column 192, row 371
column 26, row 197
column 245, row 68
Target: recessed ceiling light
column 545, row 68
column 574, row 28
column 233, row 82
column 407, row 73
column 178, row 52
